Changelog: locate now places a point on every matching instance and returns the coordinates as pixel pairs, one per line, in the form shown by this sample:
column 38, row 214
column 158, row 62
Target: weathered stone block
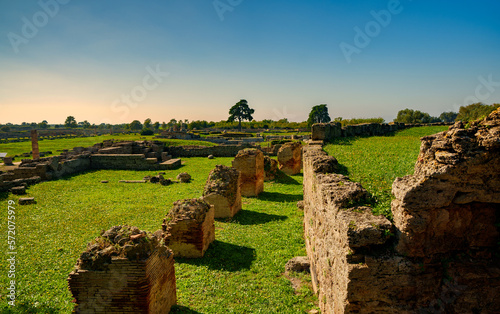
column 18, row 190
column 270, row 168
column 290, row 158
column 188, row 229
column 26, row 200
column 7, row 160
column 250, row 163
column 222, row 190
column 125, row 270
column 184, row 177
column 170, row 164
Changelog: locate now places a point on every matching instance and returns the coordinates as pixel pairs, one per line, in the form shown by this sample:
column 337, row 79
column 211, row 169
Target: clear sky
column 116, row 61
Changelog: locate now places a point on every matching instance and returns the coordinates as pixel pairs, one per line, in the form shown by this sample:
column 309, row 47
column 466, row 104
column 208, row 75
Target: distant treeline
column 466, row 114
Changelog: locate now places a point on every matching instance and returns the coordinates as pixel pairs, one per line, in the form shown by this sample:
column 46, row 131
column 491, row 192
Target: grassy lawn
column 376, row 161
column 18, row 148
column 240, row 273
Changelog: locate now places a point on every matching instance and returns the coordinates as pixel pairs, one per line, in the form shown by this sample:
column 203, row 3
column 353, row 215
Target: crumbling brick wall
column 250, row 163
column 188, row 228
column 444, row 254
column 124, row 271
column 222, row 190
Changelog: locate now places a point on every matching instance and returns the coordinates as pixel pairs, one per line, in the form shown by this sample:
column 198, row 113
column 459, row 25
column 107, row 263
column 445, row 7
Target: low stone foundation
column 188, row 229
column 442, row 253
column 290, row 158
column 222, row 190
column 250, row 163
column 124, row 271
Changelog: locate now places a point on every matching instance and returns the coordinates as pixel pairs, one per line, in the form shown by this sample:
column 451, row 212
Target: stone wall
column 204, row 151
column 124, row 271
column 441, row 255
column 329, row 131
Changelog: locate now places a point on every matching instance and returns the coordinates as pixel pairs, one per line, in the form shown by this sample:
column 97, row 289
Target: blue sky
column 116, row 61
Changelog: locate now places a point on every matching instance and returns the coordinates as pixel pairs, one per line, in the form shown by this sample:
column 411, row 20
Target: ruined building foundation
column 250, row 163
column 125, row 270
column 222, row 190
column 290, row 158
column 442, row 253
column 188, row 229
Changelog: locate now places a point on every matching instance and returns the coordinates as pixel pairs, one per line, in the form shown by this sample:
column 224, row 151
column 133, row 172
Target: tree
column 414, row 116
column 5, row 128
column 164, row 126
column 86, row 124
column 147, row 123
column 156, row 126
column 135, row 125
column 70, row 122
column 475, row 111
column 448, row 116
column 318, row 114
column 43, row 124
column 240, row 111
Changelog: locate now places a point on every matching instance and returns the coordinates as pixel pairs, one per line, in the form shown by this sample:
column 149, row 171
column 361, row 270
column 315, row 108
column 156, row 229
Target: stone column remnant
column 222, row 190
column 290, row 158
column 34, row 144
column 188, row 229
column 250, row 163
column 270, row 168
column 125, row 270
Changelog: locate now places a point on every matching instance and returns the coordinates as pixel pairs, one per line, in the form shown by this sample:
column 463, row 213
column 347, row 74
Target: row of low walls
column 54, row 168
column 204, row 151
column 441, row 253
column 329, row 131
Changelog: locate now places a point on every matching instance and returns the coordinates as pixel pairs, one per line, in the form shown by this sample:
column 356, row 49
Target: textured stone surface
column 339, row 233
column 188, row 229
column 125, row 270
column 222, row 190
column 26, row 200
column 290, row 158
column 270, row 168
column 18, row 190
column 250, row 163
column 444, row 206
column 441, row 256
column 184, row 177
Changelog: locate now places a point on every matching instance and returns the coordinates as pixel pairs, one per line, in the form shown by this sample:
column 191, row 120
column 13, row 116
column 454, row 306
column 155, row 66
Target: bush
column 147, row 132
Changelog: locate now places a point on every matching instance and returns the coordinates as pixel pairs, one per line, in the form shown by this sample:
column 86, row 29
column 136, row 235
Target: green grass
column 240, row 273
column 376, row 161
column 17, row 148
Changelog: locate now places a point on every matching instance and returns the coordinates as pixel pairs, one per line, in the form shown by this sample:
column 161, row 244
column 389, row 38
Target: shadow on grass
column 183, row 309
column 341, row 169
column 4, row 195
column 28, row 308
column 223, row 256
column 279, row 197
column 286, row 179
column 249, row 217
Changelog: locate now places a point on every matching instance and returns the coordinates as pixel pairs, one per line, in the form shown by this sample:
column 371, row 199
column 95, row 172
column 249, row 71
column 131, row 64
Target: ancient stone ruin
column 188, row 229
column 270, row 168
column 250, row 163
column 441, row 255
column 125, row 270
column 222, row 190
column 290, row 158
